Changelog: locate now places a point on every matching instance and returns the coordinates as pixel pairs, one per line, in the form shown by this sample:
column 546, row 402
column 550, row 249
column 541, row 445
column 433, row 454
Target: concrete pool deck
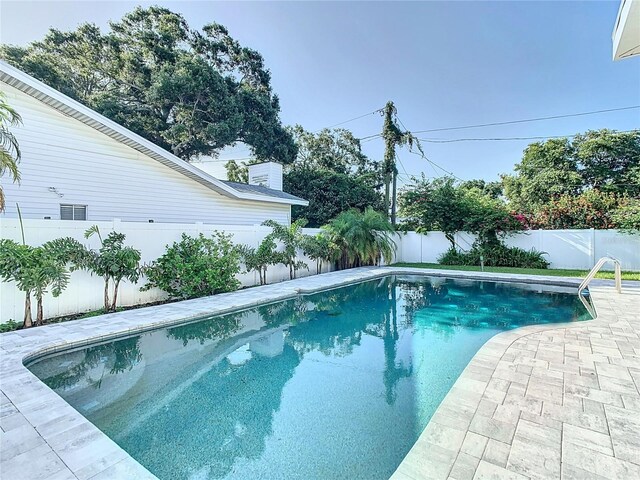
column 545, row 401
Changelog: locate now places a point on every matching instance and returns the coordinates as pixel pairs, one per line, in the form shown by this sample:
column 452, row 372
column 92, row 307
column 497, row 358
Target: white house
column 79, row 165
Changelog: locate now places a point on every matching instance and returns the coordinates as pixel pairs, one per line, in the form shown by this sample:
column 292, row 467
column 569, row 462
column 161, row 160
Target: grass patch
column 527, row 271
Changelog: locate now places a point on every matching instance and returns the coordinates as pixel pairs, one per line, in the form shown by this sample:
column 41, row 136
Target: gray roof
column 260, row 190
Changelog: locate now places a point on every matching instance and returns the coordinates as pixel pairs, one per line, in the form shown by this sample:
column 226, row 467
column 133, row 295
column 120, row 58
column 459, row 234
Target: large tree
column 604, row 160
column 609, row 161
column 449, row 207
column 438, row 204
column 191, row 92
column 331, row 172
column 329, row 193
column 548, row 169
column 337, row 150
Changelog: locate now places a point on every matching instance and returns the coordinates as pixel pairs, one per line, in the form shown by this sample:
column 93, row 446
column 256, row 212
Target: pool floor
column 337, row 384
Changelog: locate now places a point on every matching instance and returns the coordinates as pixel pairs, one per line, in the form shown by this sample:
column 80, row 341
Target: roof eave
column 626, row 33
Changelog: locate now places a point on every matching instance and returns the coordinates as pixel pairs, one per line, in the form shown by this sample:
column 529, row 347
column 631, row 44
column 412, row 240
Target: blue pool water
column 334, row 385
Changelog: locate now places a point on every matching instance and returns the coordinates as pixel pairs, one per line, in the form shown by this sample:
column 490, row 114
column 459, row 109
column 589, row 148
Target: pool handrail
column 596, row 268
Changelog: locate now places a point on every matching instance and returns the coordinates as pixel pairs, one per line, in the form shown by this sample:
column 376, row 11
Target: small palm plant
column 321, row 249
column 114, row 262
column 363, row 238
column 9, row 148
column 292, row 239
column 260, row 258
column 38, row 270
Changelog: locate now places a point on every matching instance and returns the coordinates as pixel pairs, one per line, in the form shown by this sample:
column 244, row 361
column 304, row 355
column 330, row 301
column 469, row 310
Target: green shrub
column 495, row 256
column 196, row 267
column 627, row 217
column 9, row 326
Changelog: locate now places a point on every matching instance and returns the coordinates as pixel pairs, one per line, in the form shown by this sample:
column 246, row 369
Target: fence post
column 592, row 246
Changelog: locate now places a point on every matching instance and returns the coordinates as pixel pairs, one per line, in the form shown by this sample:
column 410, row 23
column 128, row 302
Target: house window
column 73, row 212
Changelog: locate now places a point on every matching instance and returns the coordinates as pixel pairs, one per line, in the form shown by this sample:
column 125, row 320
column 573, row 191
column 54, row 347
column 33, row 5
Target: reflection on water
column 337, row 384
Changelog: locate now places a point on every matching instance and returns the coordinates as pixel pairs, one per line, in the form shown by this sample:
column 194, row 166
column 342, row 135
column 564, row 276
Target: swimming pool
column 337, row 384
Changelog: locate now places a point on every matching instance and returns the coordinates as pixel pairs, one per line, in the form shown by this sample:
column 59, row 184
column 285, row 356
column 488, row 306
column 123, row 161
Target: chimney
column 267, row 174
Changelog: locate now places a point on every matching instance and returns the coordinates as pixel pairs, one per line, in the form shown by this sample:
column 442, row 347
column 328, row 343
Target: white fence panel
column 84, row 292
column 569, row 249
column 626, row 248
column 409, row 247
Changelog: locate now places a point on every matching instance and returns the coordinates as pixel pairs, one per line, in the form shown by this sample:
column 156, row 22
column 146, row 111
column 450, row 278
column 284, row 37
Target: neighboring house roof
column 66, row 105
column 626, row 33
column 260, row 190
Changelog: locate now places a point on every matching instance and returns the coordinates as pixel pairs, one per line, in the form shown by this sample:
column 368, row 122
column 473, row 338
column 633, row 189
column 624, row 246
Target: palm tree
column 292, row 239
column 9, row 148
column 364, row 238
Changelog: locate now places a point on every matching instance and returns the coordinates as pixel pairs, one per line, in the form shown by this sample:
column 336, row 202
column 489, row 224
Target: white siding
column 112, row 179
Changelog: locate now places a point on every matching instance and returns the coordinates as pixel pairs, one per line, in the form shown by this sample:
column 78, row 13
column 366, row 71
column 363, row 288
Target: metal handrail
column 596, row 268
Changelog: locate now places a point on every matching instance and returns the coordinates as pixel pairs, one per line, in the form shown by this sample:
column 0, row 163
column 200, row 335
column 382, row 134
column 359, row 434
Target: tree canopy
column 450, row 207
column 331, row 172
column 337, row 150
column 604, row 160
column 329, row 193
column 191, row 92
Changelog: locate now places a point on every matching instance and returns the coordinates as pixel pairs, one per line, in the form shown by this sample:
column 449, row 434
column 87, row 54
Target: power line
column 497, row 139
column 401, row 164
column 553, row 117
column 323, row 128
column 510, row 122
column 350, row 120
column 435, row 164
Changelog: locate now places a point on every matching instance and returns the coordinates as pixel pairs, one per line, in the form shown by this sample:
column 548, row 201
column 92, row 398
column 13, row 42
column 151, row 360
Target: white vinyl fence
column 571, row 249
column 575, row 249
column 84, row 292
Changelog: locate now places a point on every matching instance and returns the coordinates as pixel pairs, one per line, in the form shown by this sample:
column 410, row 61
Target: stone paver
column 536, row 402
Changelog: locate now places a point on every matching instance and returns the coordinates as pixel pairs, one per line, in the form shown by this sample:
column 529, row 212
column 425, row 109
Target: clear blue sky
column 442, row 63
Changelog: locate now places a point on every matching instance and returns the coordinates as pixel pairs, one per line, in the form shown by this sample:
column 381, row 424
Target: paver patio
column 544, row 401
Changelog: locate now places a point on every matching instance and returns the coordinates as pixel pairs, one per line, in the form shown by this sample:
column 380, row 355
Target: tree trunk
column 292, row 272
column 106, row 294
column 393, row 198
column 115, row 295
column 451, row 239
column 318, row 267
column 27, row 322
column 39, row 314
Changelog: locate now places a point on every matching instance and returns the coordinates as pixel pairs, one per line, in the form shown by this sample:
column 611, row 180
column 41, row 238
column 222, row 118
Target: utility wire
column 452, row 140
column 350, row 120
column 553, row 117
column 510, row 122
column 422, row 155
column 323, row 128
column 435, row 164
column 402, row 165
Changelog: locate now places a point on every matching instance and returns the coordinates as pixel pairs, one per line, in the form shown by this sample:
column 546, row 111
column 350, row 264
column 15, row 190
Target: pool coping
column 44, row 437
